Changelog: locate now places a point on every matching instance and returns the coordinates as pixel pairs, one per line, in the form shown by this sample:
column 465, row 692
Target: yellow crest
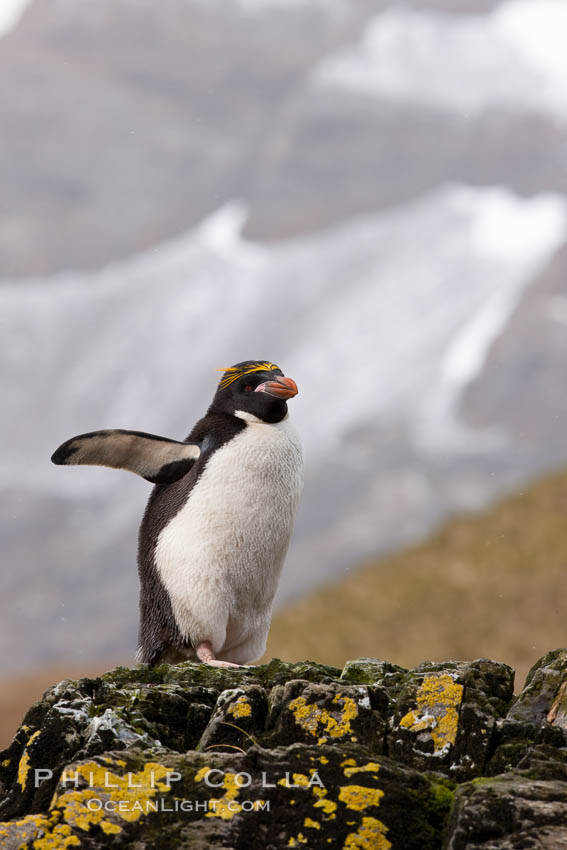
column 236, row 372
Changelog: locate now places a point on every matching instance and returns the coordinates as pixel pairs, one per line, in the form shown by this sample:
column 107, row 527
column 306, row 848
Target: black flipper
column 157, row 459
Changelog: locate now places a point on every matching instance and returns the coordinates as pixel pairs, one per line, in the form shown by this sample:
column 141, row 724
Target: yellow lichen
column 368, row 767
column 316, row 720
column 312, row 824
column 370, row 835
column 24, row 765
column 299, row 839
column 202, row 773
column 129, row 794
column 328, row 806
column 298, row 779
column 358, row 797
column 58, row 839
column 227, row 806
column 44, row 830
column 438, row 700
column 240, row 708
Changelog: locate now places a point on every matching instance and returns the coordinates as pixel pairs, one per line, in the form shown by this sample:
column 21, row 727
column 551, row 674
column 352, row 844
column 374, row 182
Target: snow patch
column 11, row 13
column 532, row 234
column 514, row 57
column 221, row 233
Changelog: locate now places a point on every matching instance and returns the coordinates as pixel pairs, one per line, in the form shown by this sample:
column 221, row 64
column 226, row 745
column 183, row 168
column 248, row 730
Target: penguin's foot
column 204, row 653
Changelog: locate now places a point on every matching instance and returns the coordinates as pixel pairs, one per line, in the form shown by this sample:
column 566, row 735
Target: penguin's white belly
column 221, row 556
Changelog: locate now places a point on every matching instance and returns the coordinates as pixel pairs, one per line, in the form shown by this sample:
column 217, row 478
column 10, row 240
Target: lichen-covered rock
column 300, row 795
column 292, row 755
column 319, row 714
column 238, row 719
column 445, row 714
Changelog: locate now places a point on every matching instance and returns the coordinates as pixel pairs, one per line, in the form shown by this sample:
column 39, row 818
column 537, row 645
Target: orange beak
column 280, row 388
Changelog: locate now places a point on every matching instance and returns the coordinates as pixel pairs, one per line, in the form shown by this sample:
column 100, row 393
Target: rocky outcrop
column 293, row 755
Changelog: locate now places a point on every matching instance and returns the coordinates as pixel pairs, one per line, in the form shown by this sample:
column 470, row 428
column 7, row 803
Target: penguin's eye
column 248, row 388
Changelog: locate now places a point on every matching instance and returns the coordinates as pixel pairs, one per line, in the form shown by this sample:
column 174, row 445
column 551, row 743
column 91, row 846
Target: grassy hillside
column 492, row 585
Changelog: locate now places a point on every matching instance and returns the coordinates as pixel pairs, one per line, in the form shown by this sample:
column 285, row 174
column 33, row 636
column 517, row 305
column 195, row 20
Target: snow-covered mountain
column 337, row 187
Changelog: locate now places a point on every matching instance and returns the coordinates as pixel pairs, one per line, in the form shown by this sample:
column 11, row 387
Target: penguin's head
column 254, row 389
